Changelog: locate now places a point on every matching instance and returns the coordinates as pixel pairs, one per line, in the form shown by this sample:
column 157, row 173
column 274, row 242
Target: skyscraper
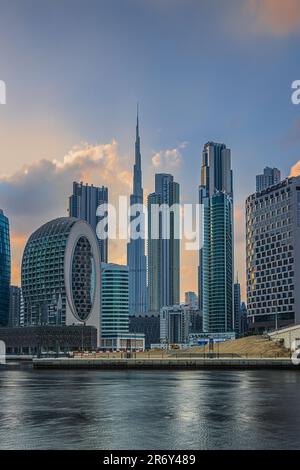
column 216, row 254
column 154, row 260
column 83, row 204
column 136, row 259
column 273, row 256
column 163, row 250
column 4, row 269
column 269, row 177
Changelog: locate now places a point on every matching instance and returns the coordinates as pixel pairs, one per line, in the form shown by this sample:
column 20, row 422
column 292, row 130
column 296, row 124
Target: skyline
column 168, row 65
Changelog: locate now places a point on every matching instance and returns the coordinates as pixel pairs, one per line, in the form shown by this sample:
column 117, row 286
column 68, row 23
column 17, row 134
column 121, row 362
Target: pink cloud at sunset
column 277, row 17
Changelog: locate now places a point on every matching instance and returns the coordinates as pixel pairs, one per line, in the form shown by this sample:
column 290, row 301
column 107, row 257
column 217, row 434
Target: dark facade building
column 244, row 320
column 163, row 247
column 14, row 306
column 196, row 322
column 36, row 340
column 83, row 204
column 148, row 324
column 4, row 269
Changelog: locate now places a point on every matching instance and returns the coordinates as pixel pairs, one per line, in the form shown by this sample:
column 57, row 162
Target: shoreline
column 166, row 364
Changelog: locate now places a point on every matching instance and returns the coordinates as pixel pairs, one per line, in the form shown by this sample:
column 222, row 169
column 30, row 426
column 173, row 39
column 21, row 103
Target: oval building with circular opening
column 61, row 275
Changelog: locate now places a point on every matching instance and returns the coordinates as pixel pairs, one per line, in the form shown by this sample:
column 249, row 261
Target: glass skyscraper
column 163, row 251
column 4, row 269
column 83, row 204
column 216, row 255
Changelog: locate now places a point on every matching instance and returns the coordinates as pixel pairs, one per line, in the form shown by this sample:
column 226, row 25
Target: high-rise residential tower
column 269, row 177
column 136, row 258
column 163, row 249
column 4, row 269
column 273, row 256
column 216, row 255
column 83, row 204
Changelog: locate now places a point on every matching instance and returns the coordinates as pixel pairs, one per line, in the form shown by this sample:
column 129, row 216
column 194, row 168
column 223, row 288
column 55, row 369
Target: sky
column 201, row 70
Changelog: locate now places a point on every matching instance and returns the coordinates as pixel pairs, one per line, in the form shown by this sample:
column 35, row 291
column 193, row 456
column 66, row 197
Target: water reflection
column 149, row 409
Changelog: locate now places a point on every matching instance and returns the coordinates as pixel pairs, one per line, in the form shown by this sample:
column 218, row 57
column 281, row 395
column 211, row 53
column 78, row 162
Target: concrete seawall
column 167, row 363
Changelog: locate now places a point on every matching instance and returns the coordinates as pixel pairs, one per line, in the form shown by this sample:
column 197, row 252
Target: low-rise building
column 149, row 324
column 175, row 324
column 115, row 334
column 37, row 340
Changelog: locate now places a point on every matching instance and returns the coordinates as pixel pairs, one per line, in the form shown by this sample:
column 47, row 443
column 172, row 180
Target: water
column 149, row 409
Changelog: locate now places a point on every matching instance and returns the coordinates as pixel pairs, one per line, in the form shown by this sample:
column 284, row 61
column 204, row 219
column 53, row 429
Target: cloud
column 295, row 170
column 277, row 17
column 169, row 158
column 39, row 191
column 30, row 139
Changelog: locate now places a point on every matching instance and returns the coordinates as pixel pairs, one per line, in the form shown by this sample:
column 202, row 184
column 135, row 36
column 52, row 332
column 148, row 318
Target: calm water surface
column 149, row 409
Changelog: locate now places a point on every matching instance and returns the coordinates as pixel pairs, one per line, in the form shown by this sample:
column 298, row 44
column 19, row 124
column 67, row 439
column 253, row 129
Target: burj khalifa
column 136, row 259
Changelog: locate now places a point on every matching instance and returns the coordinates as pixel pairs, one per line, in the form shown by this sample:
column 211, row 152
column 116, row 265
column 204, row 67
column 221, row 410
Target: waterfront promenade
column 179, row 363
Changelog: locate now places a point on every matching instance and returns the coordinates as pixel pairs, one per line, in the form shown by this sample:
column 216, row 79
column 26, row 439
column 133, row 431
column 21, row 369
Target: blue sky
column 200, row 69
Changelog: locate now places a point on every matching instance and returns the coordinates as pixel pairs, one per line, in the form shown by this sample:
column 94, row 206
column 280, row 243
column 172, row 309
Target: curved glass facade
column 43, row 284
column 4, row 269
column 54, row 283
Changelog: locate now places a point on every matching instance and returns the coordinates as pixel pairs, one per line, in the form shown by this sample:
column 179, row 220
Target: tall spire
column 137, row 122
column 136, row 258
column 137, row 175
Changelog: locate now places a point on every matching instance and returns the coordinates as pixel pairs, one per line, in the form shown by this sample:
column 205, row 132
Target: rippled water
column 149, row 409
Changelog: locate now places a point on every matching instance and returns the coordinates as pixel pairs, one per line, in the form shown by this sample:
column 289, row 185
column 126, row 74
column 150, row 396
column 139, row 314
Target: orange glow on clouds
column 295, row 170
column 278, row 17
